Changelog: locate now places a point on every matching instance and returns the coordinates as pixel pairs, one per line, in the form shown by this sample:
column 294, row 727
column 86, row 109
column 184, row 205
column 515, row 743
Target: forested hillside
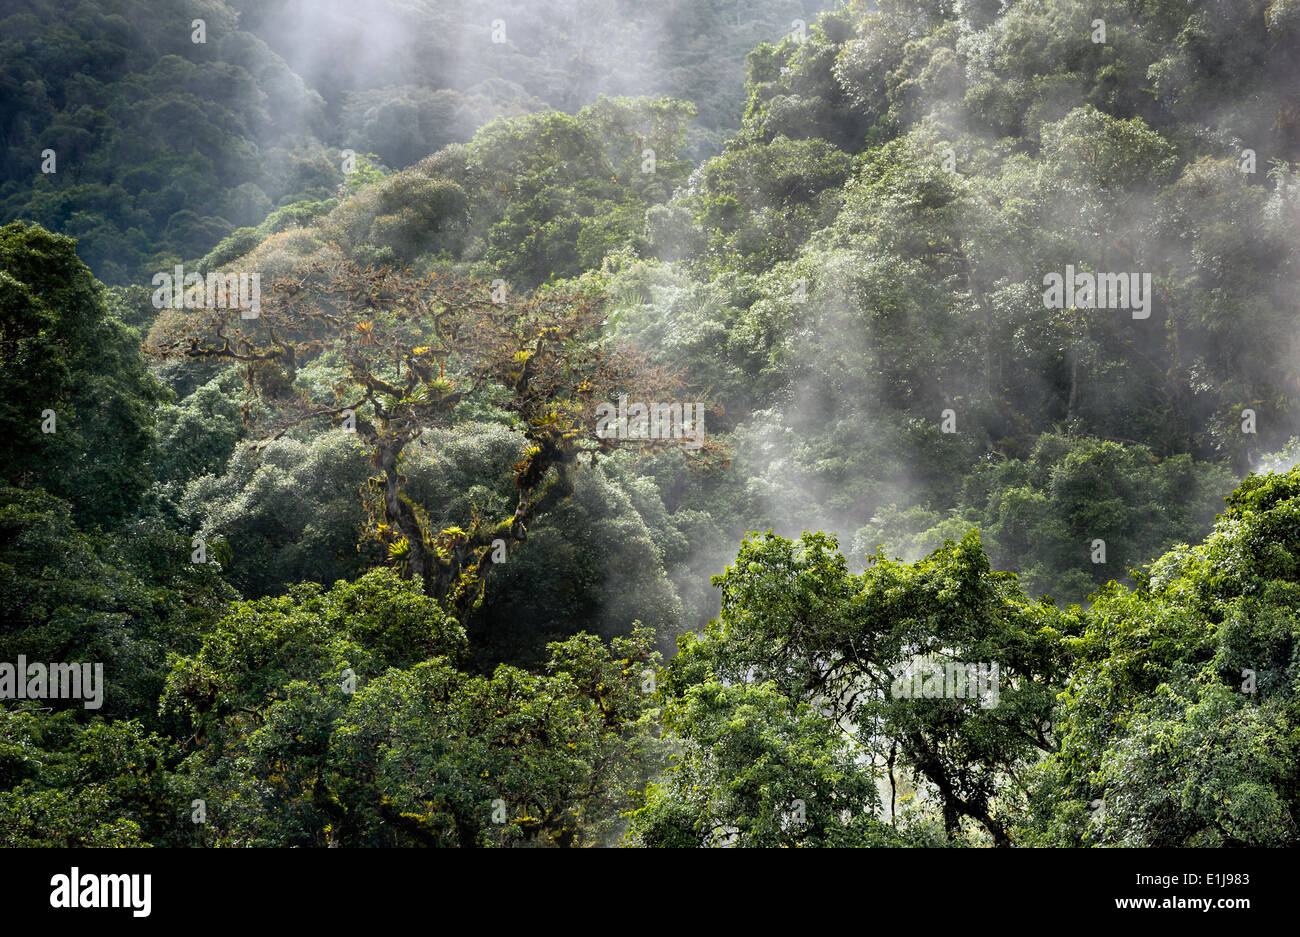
column 646, row 424
column 172, row 136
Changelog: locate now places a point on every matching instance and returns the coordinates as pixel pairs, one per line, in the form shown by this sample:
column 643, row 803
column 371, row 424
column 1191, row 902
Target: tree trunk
column 400, row 514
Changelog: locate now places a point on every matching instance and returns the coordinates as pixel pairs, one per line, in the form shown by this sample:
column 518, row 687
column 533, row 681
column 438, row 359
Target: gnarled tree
column 412, row 348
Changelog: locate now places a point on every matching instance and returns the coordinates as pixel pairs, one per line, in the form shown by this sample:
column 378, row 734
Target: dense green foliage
column 77, row 400
column 364, row 569
column 162, row 145
column 165, row 145
column 1164, row 715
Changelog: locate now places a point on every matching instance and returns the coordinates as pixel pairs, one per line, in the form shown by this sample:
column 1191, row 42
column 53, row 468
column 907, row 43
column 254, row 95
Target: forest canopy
column 696, row 424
